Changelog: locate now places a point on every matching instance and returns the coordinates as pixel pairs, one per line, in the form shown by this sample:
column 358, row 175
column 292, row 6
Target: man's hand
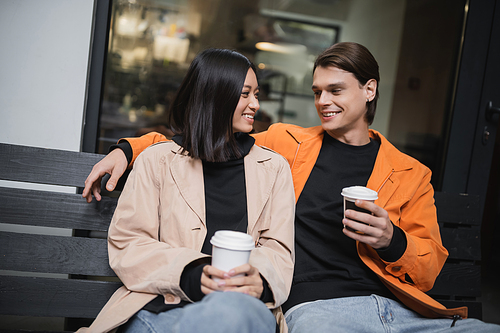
column 376, row 230
column 250, row 284
column 115, row 164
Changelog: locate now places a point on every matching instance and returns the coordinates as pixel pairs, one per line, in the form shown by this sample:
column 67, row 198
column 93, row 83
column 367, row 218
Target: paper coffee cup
column 353, row 193
column 230, row 249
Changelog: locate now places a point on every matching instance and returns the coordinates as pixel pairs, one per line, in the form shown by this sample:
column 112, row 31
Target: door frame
column 468, row 159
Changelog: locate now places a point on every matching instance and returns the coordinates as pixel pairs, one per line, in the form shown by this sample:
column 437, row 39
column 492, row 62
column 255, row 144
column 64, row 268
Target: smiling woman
column 210, row 177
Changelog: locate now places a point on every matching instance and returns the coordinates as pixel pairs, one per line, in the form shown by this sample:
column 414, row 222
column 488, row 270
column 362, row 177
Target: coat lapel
column 259, row 180
column 187, row 174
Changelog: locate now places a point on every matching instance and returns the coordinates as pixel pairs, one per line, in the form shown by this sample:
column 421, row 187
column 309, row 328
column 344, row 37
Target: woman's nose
column 254, row 104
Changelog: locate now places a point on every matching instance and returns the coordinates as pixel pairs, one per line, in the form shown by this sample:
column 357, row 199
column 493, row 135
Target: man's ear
column 370, row 89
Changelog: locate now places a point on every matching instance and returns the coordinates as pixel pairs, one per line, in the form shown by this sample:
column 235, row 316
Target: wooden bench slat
column 45, row 166
column 54, row 254
column 458, row 209
column 28, row 296
column 54, row 209
column 458, row 280
column 462, row 243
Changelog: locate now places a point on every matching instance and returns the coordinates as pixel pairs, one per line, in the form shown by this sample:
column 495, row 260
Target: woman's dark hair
column 203, row 108
column 356, row 59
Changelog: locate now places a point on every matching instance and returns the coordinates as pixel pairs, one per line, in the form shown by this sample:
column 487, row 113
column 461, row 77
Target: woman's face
column 248, row 104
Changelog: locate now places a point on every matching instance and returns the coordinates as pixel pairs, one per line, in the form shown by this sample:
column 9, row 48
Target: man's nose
column 323, row 99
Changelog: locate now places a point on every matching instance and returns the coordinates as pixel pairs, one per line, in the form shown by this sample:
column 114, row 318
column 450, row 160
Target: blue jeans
column 372, row 314
column 217, row 312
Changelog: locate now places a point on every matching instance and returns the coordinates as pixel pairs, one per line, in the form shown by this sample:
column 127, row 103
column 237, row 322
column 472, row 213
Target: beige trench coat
column 159, row 227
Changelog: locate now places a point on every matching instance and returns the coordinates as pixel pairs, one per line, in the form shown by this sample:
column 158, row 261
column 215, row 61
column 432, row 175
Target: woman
column 210, row 177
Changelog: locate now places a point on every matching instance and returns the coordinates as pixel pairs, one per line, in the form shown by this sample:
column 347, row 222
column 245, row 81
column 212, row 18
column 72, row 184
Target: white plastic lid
column 233, row 240
column 359, row 192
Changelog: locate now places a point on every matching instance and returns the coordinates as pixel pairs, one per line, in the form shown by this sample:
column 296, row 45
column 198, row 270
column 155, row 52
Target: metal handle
column 491, row 110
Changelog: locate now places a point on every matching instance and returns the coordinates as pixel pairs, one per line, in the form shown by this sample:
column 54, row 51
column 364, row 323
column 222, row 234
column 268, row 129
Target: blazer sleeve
column 425, row 255
column 274, row 253
column 139, row 259
column 139, row 144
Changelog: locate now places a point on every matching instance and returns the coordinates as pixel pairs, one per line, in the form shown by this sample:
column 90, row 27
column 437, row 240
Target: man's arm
column 415, row 216
column 115, row 164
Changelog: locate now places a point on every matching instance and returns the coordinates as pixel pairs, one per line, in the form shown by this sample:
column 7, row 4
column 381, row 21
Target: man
column 373, row 279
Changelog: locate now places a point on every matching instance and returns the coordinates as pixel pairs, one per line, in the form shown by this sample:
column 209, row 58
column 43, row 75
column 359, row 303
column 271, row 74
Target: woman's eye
column 245, row 93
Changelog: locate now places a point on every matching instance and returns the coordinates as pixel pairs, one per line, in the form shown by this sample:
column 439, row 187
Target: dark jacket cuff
column 396, row 248
column 125, row 147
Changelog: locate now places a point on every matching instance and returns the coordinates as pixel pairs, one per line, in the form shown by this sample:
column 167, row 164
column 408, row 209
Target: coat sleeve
column 425, row 255
column 139, row 259
column 274, row 252
column 141, row 143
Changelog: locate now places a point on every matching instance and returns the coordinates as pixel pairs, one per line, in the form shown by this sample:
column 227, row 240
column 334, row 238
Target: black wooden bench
column 459, row 283
column 82, row 291
column 84, row 261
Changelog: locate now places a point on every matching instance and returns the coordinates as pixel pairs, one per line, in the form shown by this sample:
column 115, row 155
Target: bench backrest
column 82, row 291
column 459, row 283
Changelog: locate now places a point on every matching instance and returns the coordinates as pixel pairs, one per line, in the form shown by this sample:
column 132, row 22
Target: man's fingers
column 96, row 189
column 112, row 181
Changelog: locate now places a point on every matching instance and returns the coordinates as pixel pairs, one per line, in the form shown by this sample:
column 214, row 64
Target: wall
column 378, row 25
column 44, row 51
column 427, row 68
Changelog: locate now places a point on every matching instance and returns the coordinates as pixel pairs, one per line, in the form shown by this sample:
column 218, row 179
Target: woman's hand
column 250, row 283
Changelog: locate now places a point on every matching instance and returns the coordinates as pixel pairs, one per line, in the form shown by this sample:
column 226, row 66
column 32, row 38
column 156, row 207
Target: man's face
column 341, row 104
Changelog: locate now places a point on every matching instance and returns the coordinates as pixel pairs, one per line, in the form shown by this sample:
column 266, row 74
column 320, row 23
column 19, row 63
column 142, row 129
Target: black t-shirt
column 327, row 264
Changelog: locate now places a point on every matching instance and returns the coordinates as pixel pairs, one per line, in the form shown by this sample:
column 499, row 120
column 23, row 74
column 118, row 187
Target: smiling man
column 373, row 280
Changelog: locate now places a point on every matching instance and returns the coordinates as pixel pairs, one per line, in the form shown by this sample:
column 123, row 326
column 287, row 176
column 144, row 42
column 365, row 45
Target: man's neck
column 353, row 138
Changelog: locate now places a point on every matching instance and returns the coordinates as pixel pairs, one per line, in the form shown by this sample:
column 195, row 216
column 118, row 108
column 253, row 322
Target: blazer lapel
column 259, row 180
column 381, row 180
column 187, row 174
